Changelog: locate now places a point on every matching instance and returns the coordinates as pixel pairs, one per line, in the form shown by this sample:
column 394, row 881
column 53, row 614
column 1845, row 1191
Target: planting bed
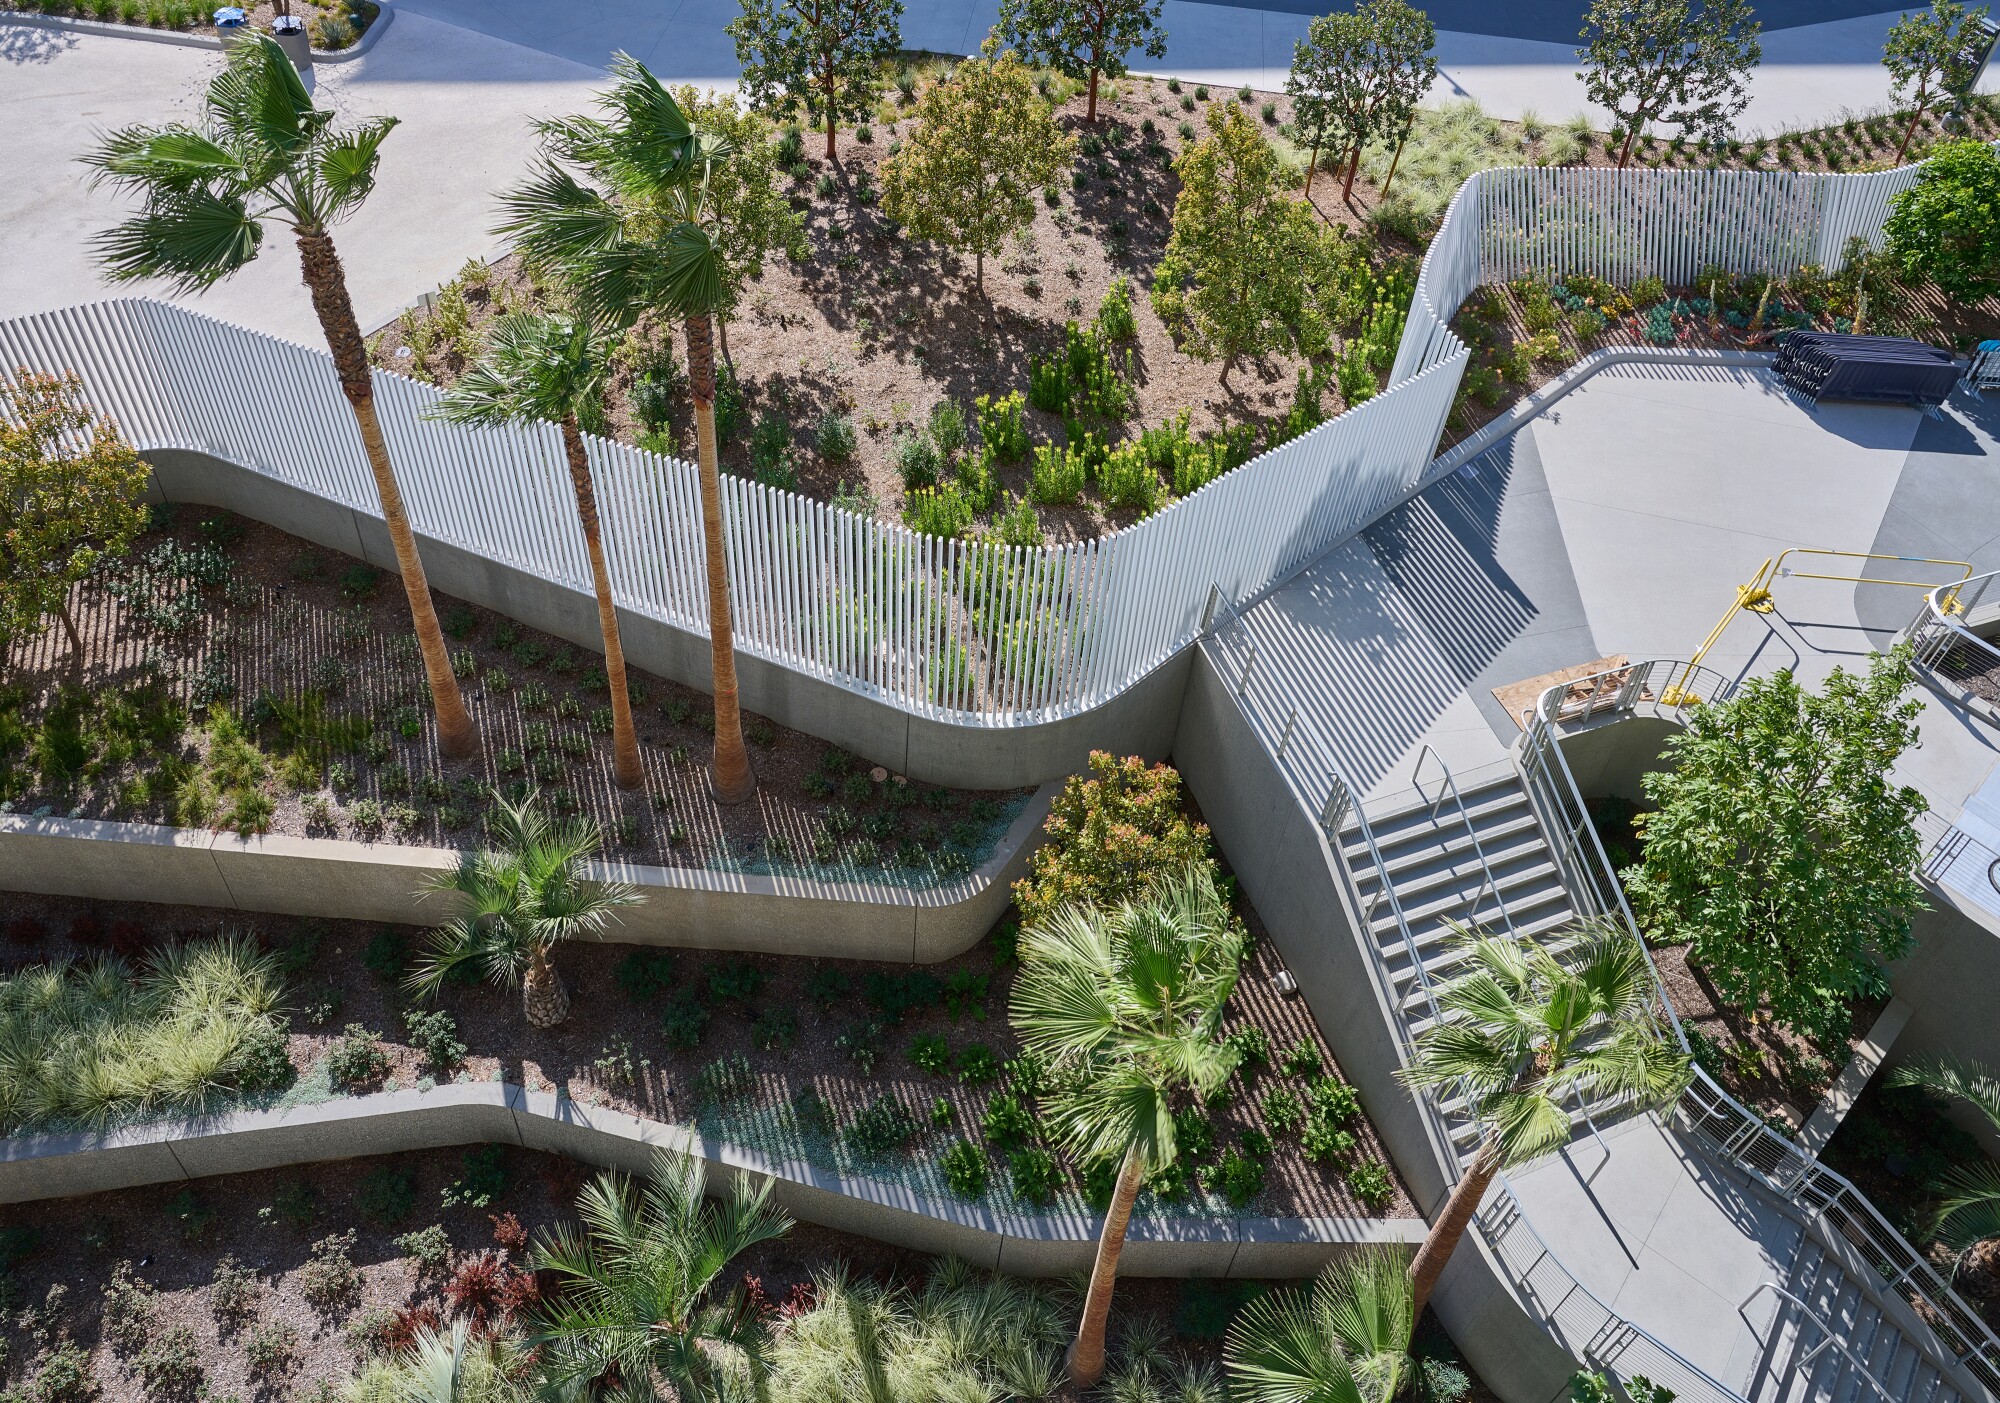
column 334, row 24
column 878, row 1070
column 237, row 677
column 878, row 330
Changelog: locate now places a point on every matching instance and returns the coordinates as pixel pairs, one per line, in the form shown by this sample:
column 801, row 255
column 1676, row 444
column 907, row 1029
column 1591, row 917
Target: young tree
column 984, row 143
column 649, row 237
column 1524, row 1032
column 641, row 1309
column 517, row 903
column 1345, row 1341
column 1242, row 249
column 1923, row 56
column 1084, row 39
column 262, row 151
column 1358, row 77
column 1946, row 227
column 816, row 56
column 1779, row 846
column 1670, row 61
column 72, row 495
column 552, row 368
column 1126, row 1003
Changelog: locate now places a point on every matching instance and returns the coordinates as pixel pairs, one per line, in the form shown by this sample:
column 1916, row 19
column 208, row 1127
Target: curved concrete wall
column 1140, row 720
column 381, row 881
column 62, row 1166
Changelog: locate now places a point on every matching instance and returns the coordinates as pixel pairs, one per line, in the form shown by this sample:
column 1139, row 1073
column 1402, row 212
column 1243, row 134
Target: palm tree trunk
column 1085, row 1362
column 544, row 996
column 1443, row 1238
column 457, row 735
column 624, row 739
column 734, row 784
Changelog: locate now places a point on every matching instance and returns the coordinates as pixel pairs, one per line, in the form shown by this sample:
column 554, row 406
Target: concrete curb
column 691, row 907
column 184, row 40
column 34, row 1168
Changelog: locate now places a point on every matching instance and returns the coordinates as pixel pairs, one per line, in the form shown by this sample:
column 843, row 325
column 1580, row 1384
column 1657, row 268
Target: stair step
column 1440, row 963
column 1506, row 835
column 1395, row 831
column 1521, row 890
column 1459, row 862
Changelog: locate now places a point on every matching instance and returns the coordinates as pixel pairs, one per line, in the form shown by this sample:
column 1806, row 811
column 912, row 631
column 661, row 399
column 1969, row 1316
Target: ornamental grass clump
column 88, row 1042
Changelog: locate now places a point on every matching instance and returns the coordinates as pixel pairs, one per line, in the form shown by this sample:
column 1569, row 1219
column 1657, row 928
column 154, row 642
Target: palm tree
column 1345, row 1341
column 638, row 1304
column 1970, row 1212
column 1127, row 1006
column 262, row 151
column 517, row 904
column 644, row 238
column 1521, row 1032
column 555, row 368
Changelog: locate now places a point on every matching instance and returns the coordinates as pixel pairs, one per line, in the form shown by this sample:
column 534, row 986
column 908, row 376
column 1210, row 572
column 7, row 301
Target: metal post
column 1286, row 739
column 1208, row 606
column 1243, row 682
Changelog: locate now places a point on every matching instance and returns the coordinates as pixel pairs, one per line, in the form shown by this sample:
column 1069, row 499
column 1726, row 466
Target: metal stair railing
column 1938, row 636
column 1827, row 1337
column 1705, row 1109
column 1449, row 789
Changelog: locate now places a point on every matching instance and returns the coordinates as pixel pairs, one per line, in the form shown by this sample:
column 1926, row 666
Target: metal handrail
column 1450, row 786
column 1825, row 1330
column 1938, row 628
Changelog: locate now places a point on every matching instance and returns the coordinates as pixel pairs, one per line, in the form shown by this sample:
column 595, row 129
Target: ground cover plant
column 242, row 679
column 910, row 1074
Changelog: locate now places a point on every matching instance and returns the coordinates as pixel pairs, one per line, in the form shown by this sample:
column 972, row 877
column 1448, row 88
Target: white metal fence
column 981, row 634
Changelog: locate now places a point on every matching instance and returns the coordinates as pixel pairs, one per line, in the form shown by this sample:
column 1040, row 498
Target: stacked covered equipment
column 1824, row 365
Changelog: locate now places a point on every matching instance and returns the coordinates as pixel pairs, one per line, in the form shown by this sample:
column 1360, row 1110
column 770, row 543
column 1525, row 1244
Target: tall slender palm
column 644, row 238
column 516, row 904
column 554, row 368
column 1970, row 1211
column 1523, row 1030
column 1127, row 1005
column 638, row 1305
column 1347, row 1340
column 261, row 151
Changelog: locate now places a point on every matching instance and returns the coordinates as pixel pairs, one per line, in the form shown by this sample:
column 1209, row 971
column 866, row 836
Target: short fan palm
column 1127, row 1006
column 554, row 368
column 1524, row 1030
column 261, row 151
column 1970, row 1211
column 1347, row 1340
column 645, row 236
column 517, row 903
column 639, row 1313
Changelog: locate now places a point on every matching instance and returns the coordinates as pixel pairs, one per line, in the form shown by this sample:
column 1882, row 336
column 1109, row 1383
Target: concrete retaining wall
column 1610, row 755
column 381, row 881
column 181, row 39
column 62, row 1166
column 1140, row 720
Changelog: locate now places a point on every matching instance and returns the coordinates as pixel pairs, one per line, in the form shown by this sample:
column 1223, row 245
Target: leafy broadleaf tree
column 1923, row 56
column 1946, row 227
column 1242, row 251
column 1358, row 77
column 517, row 903
column 1126, row 1006
column 649, row 236
column 984, row 143
column 554, row 368
column 1084, row 40
column 1524, row 1032
column 816, row 56
column 1670, row 61
column 1347, row 1340
column 1969, row 1209
column 641, row 1311
column 72, row 496
column 261, row 151
column 1780, row 848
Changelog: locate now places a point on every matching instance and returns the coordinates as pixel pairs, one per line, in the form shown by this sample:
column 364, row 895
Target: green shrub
column 834, row 437
column 171, row 1365
column 1238, row 1178
column 965, row 1169
column 898, row 996
column 775, row 1028
column 978, row 1065
column 356, row 1059
column 1114, row 313
column 916, row 460
column 725, row 1081
column 271, row 1349
column 387, row 1194
column 435, row 1034
column 1109, row 836
column 1251, row 1044
column 387, row 956
column 1035, row 1174
column 939, row 511
column 429, row 1248
column 329, row 1279
column 1371, row 1184
column 1059, row 474
column 827, row 986
column 930, row 1053
column 684, row 1022
column 1301, row 1059
column 1947, row 226
column 483, row 1178
column 645, row 974
column 1283, row 1111
column 735, row 981
column 1003, row 433
column 1009, row 1124
column 947, row 427
column 882, row 1128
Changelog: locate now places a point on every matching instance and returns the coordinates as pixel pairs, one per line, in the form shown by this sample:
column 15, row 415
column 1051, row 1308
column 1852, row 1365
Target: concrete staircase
column 1873, row 1360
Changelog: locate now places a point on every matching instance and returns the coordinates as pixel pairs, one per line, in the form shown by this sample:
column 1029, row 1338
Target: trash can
column 290, row 32
column 232, row 25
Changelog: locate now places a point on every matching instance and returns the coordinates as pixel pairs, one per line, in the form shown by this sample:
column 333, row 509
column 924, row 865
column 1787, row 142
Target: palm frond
column 1978, row 1086
column 1277, row 1351
column 191, row 239
column 347, row 165
column 1969, row 1211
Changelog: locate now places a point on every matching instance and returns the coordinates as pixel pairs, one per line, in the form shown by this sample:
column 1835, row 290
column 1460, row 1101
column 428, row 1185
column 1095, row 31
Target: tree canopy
column 1358, row 77
column 72, row 495
column 816, row 56
column 1084, row 39
column 1670, row 61
column 1946, row 227
column 1779, row 846
column 984, row 143
column 1924, row 56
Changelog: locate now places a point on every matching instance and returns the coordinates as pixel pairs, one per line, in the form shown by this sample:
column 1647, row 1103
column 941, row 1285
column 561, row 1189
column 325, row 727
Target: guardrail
column 1827, row 1338
column 1940, row 641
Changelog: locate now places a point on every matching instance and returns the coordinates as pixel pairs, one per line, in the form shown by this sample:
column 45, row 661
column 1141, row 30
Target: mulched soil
column 295, row 618
column 610, row 1027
